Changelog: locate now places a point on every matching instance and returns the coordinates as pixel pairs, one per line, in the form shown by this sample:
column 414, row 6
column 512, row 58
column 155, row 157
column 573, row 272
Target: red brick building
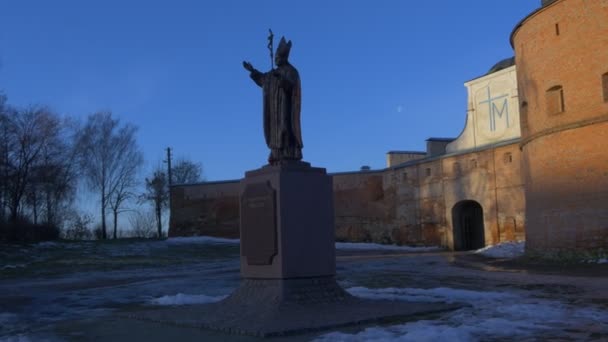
column 561, row 53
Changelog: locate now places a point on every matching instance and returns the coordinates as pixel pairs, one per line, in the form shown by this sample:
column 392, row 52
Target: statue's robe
column 282, row 103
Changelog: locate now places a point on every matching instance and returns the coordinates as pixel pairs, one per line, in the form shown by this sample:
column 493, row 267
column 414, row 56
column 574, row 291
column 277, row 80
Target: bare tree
column 56, row 175
column 78, row 226
column 37, row 173
column 142, row 224
column 125, row 186
column 32, row 193
column 185, row 171
column 107, row 149
column 4, row 148
column 157, row 194
column 29, row 133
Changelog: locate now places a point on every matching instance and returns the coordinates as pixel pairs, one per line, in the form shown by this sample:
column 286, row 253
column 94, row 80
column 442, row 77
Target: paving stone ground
column 461, row 270
column 575, row 285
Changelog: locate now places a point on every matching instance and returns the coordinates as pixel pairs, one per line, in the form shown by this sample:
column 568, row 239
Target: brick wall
column 360, row 204
column 492, row 178
column 565, row 160
column 408, row 205
column 412, row 204
column 394, row 158
column 210, row 209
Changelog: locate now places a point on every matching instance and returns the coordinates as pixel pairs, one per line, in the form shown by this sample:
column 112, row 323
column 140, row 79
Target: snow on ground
column 185, row 299
column 377, row 246
column 47, row 244
column 16, row 338
column 200, row 239
column 7, row 318
column 6, row 267
column 503, row 250
column 491, row 315
column 141, row 243
column 441, row 294
column 215, row 240
column 339, row 245
column 597, row 261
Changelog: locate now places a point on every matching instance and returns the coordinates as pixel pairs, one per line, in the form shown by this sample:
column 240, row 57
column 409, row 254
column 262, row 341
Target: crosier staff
column 270, row 39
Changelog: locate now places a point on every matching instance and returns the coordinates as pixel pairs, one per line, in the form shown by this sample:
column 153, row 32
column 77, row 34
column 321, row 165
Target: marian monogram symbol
column 497, row 106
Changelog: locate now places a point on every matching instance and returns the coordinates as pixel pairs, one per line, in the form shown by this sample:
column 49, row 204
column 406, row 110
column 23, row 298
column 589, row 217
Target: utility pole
column 170, row 182
column 168, row 161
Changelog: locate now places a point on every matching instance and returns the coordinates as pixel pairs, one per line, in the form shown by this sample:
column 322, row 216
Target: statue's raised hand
column 248, row 66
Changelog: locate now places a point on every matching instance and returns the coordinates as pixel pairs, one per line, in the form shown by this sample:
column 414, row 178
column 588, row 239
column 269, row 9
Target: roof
column 441, row 139
column 546, row 2
column 206, row 183
column 406, row 152
column 502, row 64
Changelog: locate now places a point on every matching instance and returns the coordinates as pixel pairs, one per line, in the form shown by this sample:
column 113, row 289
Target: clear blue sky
column 376, row 75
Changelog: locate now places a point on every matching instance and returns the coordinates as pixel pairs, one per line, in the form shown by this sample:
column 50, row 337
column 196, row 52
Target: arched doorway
column 467, row 222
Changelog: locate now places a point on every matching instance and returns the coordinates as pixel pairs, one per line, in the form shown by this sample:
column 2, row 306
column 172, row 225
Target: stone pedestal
column 288, row 265
column 287, row 223
column 279, row 307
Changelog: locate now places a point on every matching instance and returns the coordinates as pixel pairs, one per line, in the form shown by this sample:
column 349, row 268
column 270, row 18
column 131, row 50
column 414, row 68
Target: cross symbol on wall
column 493, row 109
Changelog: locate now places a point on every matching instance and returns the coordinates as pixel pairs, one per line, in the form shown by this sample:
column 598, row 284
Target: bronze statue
column 282, row 101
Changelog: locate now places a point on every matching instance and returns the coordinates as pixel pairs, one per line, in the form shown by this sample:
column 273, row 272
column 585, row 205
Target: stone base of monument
column 288, row 265
column 287, row 222
column 275, row 307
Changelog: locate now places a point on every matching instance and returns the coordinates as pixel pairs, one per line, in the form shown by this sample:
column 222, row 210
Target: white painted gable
column 493, row 111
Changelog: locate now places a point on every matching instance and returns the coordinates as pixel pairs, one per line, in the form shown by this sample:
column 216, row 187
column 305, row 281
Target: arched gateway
column 467, row 223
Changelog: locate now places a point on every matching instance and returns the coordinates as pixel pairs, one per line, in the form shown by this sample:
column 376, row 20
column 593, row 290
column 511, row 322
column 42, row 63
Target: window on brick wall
column 523, row 114
column 473, row 163
column 508, row 158
column 555, row 100
column 404, row 176
column 428, row 171
column 605, row 86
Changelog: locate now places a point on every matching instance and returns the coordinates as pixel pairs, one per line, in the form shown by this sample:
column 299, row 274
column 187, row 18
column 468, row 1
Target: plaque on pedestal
column 259, row 209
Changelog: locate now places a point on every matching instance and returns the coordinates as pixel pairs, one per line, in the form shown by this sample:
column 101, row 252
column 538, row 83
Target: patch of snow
column 16, row 338
column 185, row 299
column 377, row 246
column 503, row 250
column 414, row 332
column 492, row 315
column 7, row 317
column 8, row 267
column 47, row 244
column 440, row 294
column 201, row 239
column 602, row 261
column 9, row 325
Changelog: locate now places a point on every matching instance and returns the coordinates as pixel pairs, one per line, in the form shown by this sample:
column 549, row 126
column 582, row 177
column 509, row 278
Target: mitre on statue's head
column 284, row 48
